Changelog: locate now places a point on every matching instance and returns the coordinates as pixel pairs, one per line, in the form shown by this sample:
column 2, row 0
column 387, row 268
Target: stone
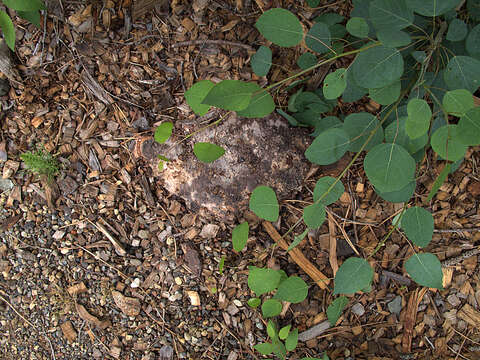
column 264, row 151
column 395, row 306
column 358, row 309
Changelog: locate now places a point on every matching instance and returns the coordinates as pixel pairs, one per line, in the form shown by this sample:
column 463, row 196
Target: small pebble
column 358, row 309
column 135, row 283
column 395, row 306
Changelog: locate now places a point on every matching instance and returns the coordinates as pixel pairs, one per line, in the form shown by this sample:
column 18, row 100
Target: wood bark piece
column 6, row 63
column 118, row 247
column 129, row 306
column 332, row 254
column 411, row 318
column 470, row 315
column 317, row 276
column 314, row 331
column 68, row 331
column 85, row 315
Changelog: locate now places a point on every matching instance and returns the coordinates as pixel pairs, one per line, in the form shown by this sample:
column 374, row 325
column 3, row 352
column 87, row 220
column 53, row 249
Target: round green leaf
column 418, row 225
column 354, row 275
column 261, row 61
column 163, row 132
column 418, row 120
column 314, row 215
column 473, row 7
column 306, row 60
column 353, row 92
column 196, row 94
column 425, row 269
column 292, row 340
column 31, row 16
column 264, row 348
column 432, row 7
column 24, row 5
column 472, row 43
column 326, row 123
column 240, row 236
column 207, row 152
column 386, row 95
column 419, row 56
column 335, row 309
column 458, row 102
column 359, row 126
column 322, row 186
column 390, row 14
column 262, row 280
column 318, row 38
column 264, row 203
column 284, row 331
column 260, row 105
column 389, row 167
column 396, row 133
column 377, row 67
column 399, row 196
column 293, row 290
column 328, row 147
column 393, row 38
column 358, row 27
column 281, row 27
column 462, row 73
column 446, row 143
column 271, row 308
column 457, row 30
column 8, row 29
column 231, row 95
column 330, row 18
column 334, row 84
column 254, row 302
column 468, row 128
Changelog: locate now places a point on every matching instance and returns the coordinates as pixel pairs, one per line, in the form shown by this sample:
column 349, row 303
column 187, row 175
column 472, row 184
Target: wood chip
column 129, row 306
column 68, row 331
column 314, row 331
column 76, row 289
column 410, row 318
column 470, row 315
column 85, row 315
column 332, row 254
column 194, row 298
column 192, row 259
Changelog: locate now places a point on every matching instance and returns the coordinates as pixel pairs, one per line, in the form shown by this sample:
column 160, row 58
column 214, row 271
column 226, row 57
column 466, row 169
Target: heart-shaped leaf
column 261, row 61
column 314, row 215
column 196, row 94
column 271, row 308
column 163, row 132
column 418, row 225
column 262, row 280
column 293, row 290
column 334, row 84
column 328, row 147
column 207, row 152
column 418, row 121
column 281, row 27
column 354, row 275
column 425, row 269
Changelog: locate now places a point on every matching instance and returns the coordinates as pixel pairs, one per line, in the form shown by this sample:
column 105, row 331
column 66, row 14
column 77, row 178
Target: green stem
column 387, row 236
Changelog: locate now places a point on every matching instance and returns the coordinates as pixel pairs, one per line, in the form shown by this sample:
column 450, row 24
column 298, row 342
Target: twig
column 350, row 221
column 314, row 331
column 455, row 260
column 119, row 249
column 216, row 42
column 473, row 229
column 16, row 312
column 345, row 235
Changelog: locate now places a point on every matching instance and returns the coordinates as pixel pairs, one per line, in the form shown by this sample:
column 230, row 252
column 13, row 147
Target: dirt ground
column 104, row 263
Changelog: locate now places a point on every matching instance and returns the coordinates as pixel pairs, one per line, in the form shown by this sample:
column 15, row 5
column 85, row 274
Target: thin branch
column 215, row 42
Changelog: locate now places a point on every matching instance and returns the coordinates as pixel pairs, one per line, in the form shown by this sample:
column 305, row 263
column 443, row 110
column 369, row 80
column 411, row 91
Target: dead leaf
column 68, row 331
column 77, row 289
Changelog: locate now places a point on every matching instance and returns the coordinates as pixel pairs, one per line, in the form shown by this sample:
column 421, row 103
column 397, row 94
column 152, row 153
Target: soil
column 106, row 262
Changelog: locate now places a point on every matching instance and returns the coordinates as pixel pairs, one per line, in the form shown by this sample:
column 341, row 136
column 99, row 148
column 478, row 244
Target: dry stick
column 332, row 254
column 317, row 276
column 119, row 249
column 216, row 42
column 16, row 312
column 457, row 230
column 345, row 235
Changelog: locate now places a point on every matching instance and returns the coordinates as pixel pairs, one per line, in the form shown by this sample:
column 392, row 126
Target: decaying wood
column 317, row 276
column 142, row 7
column 92, row 86
column 314, row 331
column 470, row 315
column 332, row 254
column 411, row 318
column 6, row 63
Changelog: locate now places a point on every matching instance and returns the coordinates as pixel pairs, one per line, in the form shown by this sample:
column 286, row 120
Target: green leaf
column 163, row 132
column 353, row 275
column 353, row 92
column 446, row 143
column 8, row 29
column 359, row 126
column 419, row 116
column 221, row 265
column 293, row 290
column 418, row 225
column 264, row 203
column 419, row 56
column 322, row 186
column 468, row 128
column 291, row 120
column 318, row 38
column 279, row 349
column 262, row 280
column 207, row 152
column 292, row 340
column 388, row 94
column 399, row 196
column 432, row 7
column 396, row 133
column 326, row 123
column 271, row 308
column 462, row 73
column 334, row 84
column 24, row 5
column 393, row 38
column 272, row 329
column 32, row 16
column 389, row 167
column 260, row 105
column 254, row 302
column 328, row 147
column 264, row 348
column 473, row 7
column 425, row 269
column 457, row 30
column 390, row 14
column 314, row 215
column 284, row 331
column 281, row 27
column 358, row 27
column 240, row 236
column 439, row 181
column 335, row 309
column 231, row 95
column 458, row 102
column 196, row 94
column 297, row 239
column 261, row 61
column 330, row 18
column 377, row 67
column 306, row 60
